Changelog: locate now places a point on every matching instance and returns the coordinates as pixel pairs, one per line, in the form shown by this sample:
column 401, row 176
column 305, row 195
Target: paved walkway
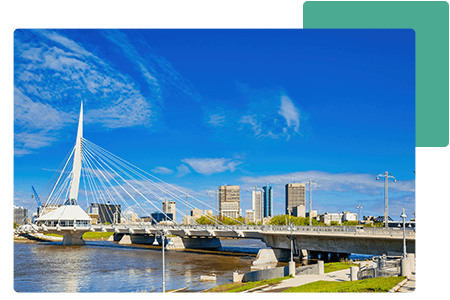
column 342, row 275
column 410, row 285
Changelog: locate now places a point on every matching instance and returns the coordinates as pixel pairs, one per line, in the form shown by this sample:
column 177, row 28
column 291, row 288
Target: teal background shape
column 430, row 21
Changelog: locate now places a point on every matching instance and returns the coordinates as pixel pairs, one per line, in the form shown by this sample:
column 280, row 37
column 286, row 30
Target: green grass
column 376, row 285
column 97, row 235
column 239, row 287
column 89, row 235
column 336, row 266
column 53, row 234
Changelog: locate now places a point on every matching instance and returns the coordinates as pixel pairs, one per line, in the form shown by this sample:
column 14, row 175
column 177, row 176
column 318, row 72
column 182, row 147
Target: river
column 101, row 266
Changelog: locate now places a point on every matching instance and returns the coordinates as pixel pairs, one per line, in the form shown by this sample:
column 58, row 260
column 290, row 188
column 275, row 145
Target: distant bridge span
column 343, row 239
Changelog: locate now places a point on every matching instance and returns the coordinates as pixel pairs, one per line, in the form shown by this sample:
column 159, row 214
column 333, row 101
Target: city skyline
column 203, row 108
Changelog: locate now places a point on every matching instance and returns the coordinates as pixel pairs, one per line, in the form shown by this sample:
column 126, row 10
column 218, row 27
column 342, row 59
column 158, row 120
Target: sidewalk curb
column 399, row 285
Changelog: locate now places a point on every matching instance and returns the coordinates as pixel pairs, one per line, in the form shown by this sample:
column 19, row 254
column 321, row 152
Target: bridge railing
column 353, row 230
column 350, row 230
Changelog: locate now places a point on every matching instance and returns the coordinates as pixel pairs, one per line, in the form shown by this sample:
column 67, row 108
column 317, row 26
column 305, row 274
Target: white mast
column 76, row 170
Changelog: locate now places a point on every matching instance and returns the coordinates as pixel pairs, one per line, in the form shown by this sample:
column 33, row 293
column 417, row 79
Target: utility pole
column 386, row 177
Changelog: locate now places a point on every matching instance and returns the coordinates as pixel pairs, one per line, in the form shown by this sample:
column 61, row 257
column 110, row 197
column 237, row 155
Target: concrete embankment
column 39, row 237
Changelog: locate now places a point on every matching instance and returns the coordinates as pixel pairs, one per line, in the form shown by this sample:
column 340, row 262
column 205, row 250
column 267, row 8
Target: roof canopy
column 66, row 212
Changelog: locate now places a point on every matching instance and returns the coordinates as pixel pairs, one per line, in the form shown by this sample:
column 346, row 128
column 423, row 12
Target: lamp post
column 292, row 241
column 386, row 177
column 403, row 216
column 310, row 199
column 216, row 212
column 162, row 234
column 359, row 211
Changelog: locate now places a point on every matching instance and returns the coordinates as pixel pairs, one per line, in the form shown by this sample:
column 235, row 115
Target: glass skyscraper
column 268, row 201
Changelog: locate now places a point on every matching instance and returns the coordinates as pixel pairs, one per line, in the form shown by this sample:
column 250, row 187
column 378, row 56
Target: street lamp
column 386, row 176
column 216, row 212
column 403, row 216
column 359, row 211
column 162, row 234
column 292, row 241
column 310, row 200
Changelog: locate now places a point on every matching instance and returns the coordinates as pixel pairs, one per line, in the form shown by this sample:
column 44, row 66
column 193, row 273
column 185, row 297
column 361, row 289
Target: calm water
column 102, row 266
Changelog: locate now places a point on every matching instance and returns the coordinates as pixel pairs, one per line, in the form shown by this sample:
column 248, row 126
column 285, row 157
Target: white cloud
column 183, row 170
column 208, row 166
column 260, row 117
column 36, row 115
column 21, row 151
column 217, row 120
column 290, row 113
column 251, row 120
column 24, row 141
column 340, row 182
column 162, row 170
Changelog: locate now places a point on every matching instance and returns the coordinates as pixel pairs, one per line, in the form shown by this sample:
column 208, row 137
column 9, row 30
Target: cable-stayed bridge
column 91, row 174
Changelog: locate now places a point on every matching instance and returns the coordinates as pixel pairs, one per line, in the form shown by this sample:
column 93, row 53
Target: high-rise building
column 295, row 195
column 257, row 205
column 169, row 207
column 229, row 201
column 268, row 201
column 107, row 213
column 20, row 215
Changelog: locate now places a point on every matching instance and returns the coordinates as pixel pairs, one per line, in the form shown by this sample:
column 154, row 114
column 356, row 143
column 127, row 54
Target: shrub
column 350, row 223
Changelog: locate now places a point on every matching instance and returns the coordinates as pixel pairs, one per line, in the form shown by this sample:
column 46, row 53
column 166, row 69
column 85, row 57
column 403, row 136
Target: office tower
column 20, row 215
column 106, row 213
column 257, row 205
column 229, row 199
column 169, row 207
column 295, row 195
column 268, row 201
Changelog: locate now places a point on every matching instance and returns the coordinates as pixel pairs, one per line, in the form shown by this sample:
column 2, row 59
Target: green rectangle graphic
column 430, row 22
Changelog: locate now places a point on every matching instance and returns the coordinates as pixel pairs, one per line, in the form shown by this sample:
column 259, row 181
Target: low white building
column 250, row 215
column 327, row 218
column 349, row 216
column 299, row 211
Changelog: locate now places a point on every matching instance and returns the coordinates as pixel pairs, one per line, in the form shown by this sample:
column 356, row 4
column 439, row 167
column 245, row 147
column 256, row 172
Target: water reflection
column 106, row 267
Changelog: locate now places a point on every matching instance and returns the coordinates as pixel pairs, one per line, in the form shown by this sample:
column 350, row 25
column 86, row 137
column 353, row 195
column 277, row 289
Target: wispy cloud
column 182, row 170
column 251, row 120
column 290, row 113
column 54, row 73
column 217, row 120
column 208, row 166
column 269, row 114
column 339, row 182
column 162, row 170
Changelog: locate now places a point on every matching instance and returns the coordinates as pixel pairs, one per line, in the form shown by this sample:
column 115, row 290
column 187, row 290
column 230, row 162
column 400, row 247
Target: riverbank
column 334, row 271
column 333, row 282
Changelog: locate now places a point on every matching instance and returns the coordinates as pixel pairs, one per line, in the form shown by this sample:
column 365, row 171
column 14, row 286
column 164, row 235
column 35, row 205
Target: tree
column 334, row 223
column 350, row 223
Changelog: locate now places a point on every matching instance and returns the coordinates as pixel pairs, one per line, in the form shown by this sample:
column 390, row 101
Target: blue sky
column 202, row 108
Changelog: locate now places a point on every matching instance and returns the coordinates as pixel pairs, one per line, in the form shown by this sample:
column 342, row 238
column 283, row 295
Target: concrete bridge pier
column 303, row 254
column 73, row 239
column 271, row 256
